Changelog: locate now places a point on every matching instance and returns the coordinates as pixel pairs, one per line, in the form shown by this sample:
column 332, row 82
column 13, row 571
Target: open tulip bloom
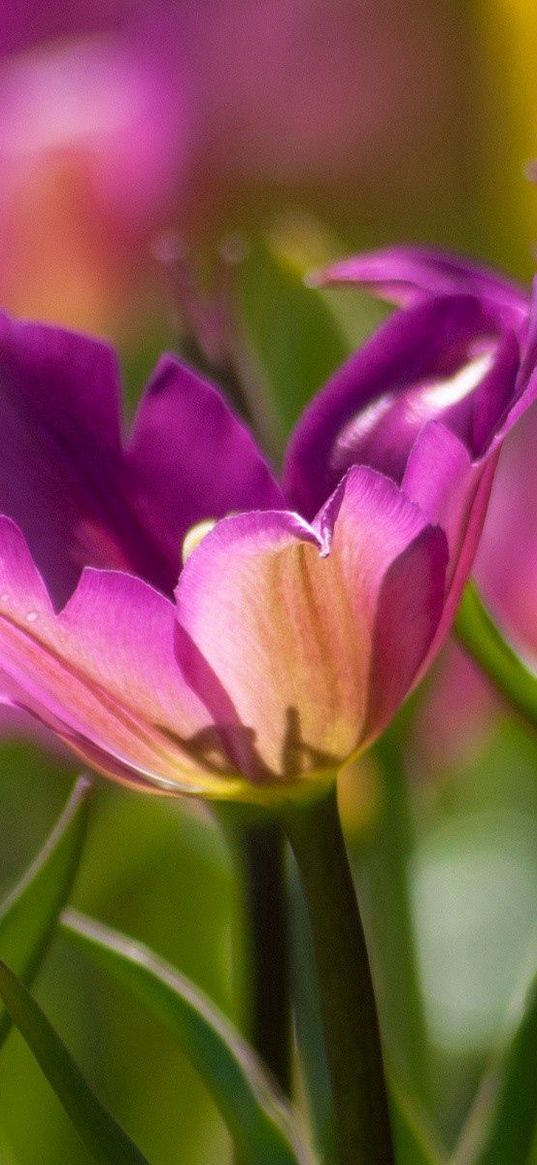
column 188, row 624
column 302, row 620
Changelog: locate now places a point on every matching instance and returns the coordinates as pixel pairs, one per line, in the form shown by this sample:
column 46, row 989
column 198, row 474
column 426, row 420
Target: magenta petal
column 78, row 496
column 190, row 458
column 371, row 411
column 294, row 619
column 526, row 385
column 410, row 627
column 437, row 476
column 452, row 492
column 495, row 394
column 59, row 402
column 407, row 275
column 102, row 674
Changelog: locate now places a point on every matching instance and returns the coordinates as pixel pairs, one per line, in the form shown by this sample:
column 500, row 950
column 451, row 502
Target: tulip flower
column 410, row 276
column 295, row 629
column 429, row 399
column 305, row 616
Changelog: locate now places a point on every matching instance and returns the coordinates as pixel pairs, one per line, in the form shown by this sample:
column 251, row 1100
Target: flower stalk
column 348, row 1006
column 387, row 860
column 265, row 895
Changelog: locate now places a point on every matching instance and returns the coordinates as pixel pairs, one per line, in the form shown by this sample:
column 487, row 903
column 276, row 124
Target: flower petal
column 407, row 275
column 298, row 622
column 526, row 386
column 453, row 492
column 373, row 408
column 66, row 480
column 190, row 458
column 102, row 674
column 59, row 400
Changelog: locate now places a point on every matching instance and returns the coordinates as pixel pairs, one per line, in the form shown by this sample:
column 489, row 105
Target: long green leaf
column 413, row 1141
column 293, row 339
column 502, row 1125
column 29, row 914
column 482, row 639
column 259, row 1121
column 6, row 1153
column 106, row 1141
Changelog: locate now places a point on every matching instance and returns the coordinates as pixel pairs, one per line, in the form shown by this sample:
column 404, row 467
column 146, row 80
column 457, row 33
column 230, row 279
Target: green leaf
column 6, row 1153
column 482, row 639
column 413, row 1141
column 260, row 1123
column 293, row 340
column 106, row 1141
column 29, row 915
column 502, row 1125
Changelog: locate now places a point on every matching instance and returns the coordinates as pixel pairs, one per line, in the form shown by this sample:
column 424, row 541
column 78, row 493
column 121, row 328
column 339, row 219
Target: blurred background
column 135, row 139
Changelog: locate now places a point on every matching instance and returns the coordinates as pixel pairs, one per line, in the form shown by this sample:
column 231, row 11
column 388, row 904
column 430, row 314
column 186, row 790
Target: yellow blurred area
column 506, row 133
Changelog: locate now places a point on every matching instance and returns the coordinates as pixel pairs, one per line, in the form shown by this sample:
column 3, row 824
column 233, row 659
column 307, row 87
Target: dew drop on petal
column 32, row 616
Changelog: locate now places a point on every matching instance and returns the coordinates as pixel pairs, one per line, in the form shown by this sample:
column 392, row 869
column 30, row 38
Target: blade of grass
column 414, row 1144
column 502, row 1124
column 258, row 1118
column 29, row 914
column 103, row 1137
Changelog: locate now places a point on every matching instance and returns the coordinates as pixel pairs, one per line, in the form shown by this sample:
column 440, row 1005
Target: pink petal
column 314, row 632
column 453, row 492
column 407, row 275
column 103, row 675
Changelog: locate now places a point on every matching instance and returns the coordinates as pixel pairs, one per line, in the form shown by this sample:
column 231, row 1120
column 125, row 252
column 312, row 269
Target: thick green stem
column 267, row 918
column 363, row 1134
column 392, row 924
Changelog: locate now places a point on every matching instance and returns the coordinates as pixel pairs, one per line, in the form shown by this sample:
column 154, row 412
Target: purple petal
column 79, row 498
column 407, row 275
column 374, row 407
column 506, row 561
column 298, row 622
column 526, row 385
column 494, row 395
column 190, row 458
column 60, row 468
column 452, row 492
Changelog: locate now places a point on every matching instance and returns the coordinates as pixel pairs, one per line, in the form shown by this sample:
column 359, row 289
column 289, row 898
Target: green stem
column 392, row 924
column 266, row 908
column 309, row 1026
column 363, row 1135
column 483, row 641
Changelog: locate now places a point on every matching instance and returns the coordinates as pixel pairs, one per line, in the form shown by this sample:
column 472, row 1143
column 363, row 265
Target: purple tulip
column 303, row 618
column 429, row 399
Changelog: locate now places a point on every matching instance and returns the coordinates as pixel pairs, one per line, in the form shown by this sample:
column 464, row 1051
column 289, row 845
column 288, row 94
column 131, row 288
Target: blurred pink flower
column 106, row 100
column 308, row 91
column 94, row 141
column 118, row 119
